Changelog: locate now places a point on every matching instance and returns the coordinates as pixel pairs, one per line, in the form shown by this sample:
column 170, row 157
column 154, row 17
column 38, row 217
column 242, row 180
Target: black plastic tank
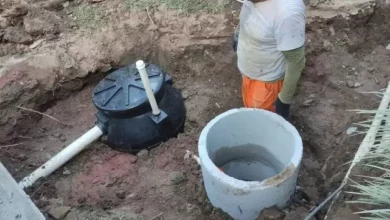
column 124, row 112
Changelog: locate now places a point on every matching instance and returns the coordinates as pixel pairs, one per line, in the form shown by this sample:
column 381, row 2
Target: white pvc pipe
column 145, row 80
column 62, row 157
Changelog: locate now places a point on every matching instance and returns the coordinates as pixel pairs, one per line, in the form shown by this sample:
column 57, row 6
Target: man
column 269, row 42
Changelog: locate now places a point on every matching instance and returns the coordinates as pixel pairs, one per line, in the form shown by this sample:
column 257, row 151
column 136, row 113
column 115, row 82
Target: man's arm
column 295, row 64
column 290, row 39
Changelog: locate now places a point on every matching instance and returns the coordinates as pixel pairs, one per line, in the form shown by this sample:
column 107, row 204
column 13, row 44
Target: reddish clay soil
column 53, row 67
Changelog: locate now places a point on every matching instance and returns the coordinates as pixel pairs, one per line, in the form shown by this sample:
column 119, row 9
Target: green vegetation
column 88, row 16
column 178, row 178
column 183, row 6
column 374, row 191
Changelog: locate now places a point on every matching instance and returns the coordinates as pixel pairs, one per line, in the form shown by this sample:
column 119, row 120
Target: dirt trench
column 344, row 57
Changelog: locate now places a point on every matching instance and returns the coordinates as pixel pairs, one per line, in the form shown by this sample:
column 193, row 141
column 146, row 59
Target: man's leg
column 258, row 94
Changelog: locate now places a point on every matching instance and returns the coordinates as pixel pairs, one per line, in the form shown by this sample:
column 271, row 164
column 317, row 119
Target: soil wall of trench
column 185, row 46
column 346, row 54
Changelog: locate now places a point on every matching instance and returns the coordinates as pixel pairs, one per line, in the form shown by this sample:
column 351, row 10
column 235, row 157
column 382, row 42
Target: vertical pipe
column 62, row 157
column 145, row 80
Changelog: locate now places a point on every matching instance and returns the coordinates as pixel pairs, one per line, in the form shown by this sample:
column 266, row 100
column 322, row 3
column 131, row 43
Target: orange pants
column 258, row 94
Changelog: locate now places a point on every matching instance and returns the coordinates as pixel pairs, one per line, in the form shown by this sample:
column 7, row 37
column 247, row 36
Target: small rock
column 17, row 35
column 38, row 22
column 312, row 194
column 63, row 139
column 50, row 5
column 50, row 37
column 43, row 204
column 131, row 196
column 190, row 207
column 72, row 215
column 3, row 22
column 350, row 84
column 56, row 135
column 185, row 94
column 308, row 102
column 271, row 214
column 332, row 32
column 356, row 85
column 200, row 199
column 36, row 43
column 59, row 213
column 314, row 3
column 121, row 195
column 16, row 11
column 327, row 45
column 162, row 162
column 388, row 47
column 143, row 154
column 133, row 158
column 66, row 4
column 351, row 130
column 66, row 172
column 371, row 69
column 22, row 157
column 81, row 200
column 49, row 111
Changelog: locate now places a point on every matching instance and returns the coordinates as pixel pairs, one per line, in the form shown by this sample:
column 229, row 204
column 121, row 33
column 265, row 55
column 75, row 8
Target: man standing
column 269, row 42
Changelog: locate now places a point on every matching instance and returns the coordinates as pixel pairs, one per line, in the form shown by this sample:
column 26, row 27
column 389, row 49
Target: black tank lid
column 122, row 91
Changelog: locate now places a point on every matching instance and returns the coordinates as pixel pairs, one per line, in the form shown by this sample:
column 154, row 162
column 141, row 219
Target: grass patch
column 183, row 6
column 372, row 192
column 88, row 16
column 178, row 178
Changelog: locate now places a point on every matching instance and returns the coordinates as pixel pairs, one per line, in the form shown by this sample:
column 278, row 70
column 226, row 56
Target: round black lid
column 123, row 91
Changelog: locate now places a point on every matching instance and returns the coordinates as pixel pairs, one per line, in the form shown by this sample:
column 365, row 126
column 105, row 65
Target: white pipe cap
column 140, row 64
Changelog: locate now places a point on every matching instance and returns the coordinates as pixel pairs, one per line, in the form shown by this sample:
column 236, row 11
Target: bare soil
column 51, row 65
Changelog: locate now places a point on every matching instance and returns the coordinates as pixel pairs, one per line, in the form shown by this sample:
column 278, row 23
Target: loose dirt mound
column 57, row 61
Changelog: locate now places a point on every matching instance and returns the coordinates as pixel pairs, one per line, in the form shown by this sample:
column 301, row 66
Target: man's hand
column 282, row 109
